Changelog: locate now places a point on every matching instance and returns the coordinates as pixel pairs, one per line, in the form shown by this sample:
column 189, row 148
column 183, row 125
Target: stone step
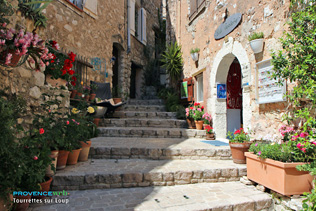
column 212, row 196
column 150, row 132
column 145, row 102
column 131, row 122
column 156, row 149
column 149, row 115
column 125, row 173
column 142, row 108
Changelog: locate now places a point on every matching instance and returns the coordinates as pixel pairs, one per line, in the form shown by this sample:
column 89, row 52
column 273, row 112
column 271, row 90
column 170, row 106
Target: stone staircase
column 145, row 150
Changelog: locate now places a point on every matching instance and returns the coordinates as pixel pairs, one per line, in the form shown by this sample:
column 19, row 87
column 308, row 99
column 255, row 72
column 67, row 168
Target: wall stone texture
column 268, row 16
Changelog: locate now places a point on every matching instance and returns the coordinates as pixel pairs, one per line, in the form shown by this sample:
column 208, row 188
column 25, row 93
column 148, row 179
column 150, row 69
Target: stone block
column 229, row 172
column 132, row 178
column 162, row 133
column 206, row 152
column 170, row 183
column 197, row 174
column 68, row 180
column 35, row 92
column 121, row 151
column 168, row 177
column 110, row 179
column 102, row 151
column 184, row 176
column 159, row 183
column 90, row 179
column 154, row 153
column 24, row 73
column 138, row 151
column 211, row 174
column 242, row 172
column 38, row 78
column 153, row 177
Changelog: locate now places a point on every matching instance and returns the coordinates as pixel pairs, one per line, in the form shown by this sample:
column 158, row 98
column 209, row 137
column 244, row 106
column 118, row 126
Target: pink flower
column 35, row 158
column 78, row 123
column 259, row 153
column 299, row 145
column 73, row 120
column 303, row 135
column 256, row 144
column 314, row 142
column 303, row 150
column 67, row 122
column 4, row 24
column 8, row 59
column 199, row 109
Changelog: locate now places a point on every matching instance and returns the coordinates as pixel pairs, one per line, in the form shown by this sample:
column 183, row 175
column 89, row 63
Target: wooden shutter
column 143, row 25
column 139, row 24
column 190, row 98
column 131, row 16
column 193, row 7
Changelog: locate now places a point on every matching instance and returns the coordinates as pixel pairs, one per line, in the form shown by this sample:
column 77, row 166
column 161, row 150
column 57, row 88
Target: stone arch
column 219, row 71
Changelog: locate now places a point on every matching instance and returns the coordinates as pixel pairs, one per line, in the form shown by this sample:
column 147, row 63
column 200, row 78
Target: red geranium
column 237, row 132
column 41, row 131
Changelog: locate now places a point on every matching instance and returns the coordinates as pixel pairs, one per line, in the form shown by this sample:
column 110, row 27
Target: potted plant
column 195, row 54
column 256, row 41
column 79, row 88
column 274, row 165
column 59, row 69
column 239, row 144
column 209, row 133
column 94, row 88
column 189, row 117
column 198, row 112
column 116, row 94
column 86, row 92
column 207, row 118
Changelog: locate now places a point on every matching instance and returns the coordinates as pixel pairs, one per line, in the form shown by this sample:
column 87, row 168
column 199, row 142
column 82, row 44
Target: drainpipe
column 128, row 29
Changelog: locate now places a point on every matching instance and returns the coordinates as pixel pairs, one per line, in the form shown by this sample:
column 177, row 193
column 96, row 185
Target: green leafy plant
column 194, row 50
column 173, row 62
column 239, row 136
column 295, row 63
column 116, row 92
column 198, row 112
column 255, row 35
column 32, row 9
column 209, row 129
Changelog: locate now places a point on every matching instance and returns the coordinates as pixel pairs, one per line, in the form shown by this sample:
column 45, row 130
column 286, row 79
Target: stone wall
column 267, row 16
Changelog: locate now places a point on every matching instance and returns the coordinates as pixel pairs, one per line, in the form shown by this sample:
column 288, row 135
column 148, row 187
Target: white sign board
column 267, row 89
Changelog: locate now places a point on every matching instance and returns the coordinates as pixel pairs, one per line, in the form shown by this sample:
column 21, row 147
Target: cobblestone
column 213, row 196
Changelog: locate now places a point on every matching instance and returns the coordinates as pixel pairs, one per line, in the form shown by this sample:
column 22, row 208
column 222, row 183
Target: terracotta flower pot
column 5, row 204
column 53, row 156
column 92, row 97
column 73, row 94
column 22, row 206
column 238, row 150
column 210, row 136
column 96, row 121
column 45, row 186
column 278, row 176
column 55, row 82
column 79, row 94
column 14, row 60
column 84, row 154
column 62, row 159
column 199, row 124
column 73, row 157
column 191, row 123
column 117, row 100
column 87, row 97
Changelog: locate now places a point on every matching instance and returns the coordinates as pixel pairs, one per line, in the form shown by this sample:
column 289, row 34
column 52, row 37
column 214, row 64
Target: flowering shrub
column 60, row 65
column 208, row 129
column 302, row 149
column 207, row 118
column 286, row 132
column 19, row 43
column 239, row 136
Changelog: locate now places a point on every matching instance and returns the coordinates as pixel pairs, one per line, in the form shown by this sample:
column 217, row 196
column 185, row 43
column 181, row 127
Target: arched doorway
column 230, row 52
column 234, row 97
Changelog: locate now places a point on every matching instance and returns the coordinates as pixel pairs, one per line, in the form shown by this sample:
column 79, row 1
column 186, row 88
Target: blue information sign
column 221, row 91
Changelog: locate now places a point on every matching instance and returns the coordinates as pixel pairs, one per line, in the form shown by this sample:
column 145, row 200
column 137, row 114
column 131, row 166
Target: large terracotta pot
column 22, row 206
column 5, row 204
column 84, row 153
column 73, row 93
column 53, row 156
column 73, row 157
column 191, row 123
column 92, row 97
column 278, row 176
column 62, row 159
column 210, row 136
column 96, row 121
column 199, row 124
column 117, row 100
column 238, row 150
column 55, row 82
column 45, row 186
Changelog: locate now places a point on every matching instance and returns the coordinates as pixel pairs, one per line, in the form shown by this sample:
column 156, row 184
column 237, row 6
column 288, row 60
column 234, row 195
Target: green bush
column 255, row 35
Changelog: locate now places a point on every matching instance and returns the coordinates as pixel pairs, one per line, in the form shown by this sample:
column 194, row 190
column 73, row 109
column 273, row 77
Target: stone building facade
column 193, row 23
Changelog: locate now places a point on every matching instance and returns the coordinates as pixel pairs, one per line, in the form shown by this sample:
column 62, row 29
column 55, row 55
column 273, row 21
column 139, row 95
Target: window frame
column 78, row 8
column 199, row 81
column 199, row 6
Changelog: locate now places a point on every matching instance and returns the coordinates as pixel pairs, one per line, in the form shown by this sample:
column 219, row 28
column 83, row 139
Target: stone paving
column 138, row 122
column 214, row 196
column 156, row 148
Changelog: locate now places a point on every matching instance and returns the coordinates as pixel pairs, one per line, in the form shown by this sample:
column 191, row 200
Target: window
column 199, row 90
column 77, row 3
column 196, row 6
column 137, row 17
